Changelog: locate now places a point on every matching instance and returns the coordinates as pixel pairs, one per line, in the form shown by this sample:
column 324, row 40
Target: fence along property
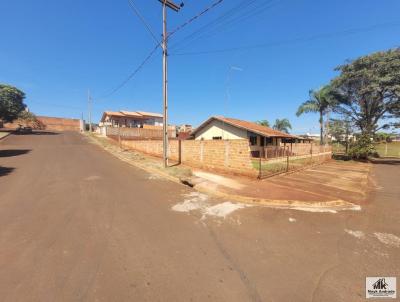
column 275, row 160
column 224, row 156
column 138, row 133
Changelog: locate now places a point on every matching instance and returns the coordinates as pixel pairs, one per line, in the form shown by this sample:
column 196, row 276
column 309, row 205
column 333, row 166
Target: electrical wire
column 257, row 10
column 235, row 10
column 288, row 42
column 132, row 74
column 145, row 23
column 204, row 11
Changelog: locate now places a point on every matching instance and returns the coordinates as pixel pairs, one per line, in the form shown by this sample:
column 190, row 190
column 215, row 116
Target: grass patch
column 272, row 166
column 390, row 149
column 3, row 134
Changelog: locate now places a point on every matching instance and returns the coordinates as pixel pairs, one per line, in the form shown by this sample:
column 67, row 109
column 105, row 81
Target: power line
column 132, row 74
column 242, row 5
column 297, row 40
column 145, row 23
column 229, row 22
column 204, row 11
column 241, row 18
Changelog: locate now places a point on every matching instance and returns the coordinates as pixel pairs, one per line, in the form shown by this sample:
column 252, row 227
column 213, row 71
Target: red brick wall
column 51, row 124
column 221, row 156
column 59, row 124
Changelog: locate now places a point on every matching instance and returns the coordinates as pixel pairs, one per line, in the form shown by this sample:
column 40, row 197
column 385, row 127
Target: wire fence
column 286, row 162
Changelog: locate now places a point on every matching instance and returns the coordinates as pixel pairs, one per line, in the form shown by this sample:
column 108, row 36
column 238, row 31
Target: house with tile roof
column 259, row 137
column 131, row 119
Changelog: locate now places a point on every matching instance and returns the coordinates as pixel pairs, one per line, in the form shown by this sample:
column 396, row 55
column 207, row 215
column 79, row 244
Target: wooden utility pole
column 90, row 111
column 173, row 6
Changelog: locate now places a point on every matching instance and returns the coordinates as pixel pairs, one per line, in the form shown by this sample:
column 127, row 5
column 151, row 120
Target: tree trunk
column 321, row 127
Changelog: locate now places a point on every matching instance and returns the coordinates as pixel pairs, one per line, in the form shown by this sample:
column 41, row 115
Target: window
column 262, row 141
column 253, row 140
column 268, row 140
column 217, row 137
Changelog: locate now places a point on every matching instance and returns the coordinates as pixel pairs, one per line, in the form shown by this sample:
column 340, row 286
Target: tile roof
column 152, row 114
column 131, row 113
column 250, row 126
column 124, row 113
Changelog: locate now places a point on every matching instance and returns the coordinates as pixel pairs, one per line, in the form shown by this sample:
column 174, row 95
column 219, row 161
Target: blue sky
column 55, row 51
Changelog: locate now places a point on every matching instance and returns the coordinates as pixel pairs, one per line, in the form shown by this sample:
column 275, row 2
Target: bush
column 363, row 148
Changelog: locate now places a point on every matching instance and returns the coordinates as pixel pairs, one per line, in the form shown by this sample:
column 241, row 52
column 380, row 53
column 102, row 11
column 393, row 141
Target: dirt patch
column 199, row 202
column 388, row 239
column 346, row 182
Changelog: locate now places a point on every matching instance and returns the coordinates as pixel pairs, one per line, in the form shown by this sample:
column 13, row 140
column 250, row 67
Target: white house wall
column 216, row 128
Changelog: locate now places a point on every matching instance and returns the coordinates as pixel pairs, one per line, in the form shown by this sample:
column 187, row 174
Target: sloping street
column 77, row 224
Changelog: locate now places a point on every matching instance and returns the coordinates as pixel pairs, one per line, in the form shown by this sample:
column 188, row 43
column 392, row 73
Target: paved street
column 77, row 224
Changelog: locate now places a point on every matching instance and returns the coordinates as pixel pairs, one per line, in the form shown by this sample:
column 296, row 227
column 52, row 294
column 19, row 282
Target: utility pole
column 173, row 6
column 90, row 111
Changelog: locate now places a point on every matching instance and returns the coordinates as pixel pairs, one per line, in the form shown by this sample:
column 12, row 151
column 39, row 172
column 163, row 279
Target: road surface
column 77, row 224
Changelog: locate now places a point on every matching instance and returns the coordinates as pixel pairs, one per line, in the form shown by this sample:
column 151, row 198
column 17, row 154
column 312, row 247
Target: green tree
column 367, row 91
column 282, row 125
column 11, row 102
column 26, row 118
column 264, row 123
column 340, row 130
column 319, row 102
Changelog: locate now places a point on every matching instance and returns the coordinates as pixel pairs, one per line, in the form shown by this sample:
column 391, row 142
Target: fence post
column 119, row 135
column 180, row 151
column 259, row 166
column 287, row 163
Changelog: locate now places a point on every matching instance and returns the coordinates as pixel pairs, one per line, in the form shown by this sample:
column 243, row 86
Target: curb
column 3, row 137
column 142, row 167
column 335, row 205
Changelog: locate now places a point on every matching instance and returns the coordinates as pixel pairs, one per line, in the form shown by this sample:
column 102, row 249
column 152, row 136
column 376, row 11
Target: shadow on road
column 386, row 161
column 5, row 171
column 37, row 133
column 16, row 152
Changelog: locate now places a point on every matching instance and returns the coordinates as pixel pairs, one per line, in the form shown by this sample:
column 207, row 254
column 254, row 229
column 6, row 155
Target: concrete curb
column 330, row 205
column 7, row 135
column 137, row 165
column 336, row 205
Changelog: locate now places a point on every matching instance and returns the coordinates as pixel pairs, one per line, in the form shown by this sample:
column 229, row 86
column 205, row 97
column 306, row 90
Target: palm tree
column 320, row 101
column 282, row 125
column 264, row 123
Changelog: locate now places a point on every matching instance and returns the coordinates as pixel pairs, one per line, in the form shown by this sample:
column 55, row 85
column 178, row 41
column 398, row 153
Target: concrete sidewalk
column 334, row 185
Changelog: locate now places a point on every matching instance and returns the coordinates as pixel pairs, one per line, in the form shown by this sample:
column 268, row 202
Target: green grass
column 393, row 149
column 338, row 148
column 271, row 167
column 2, row 134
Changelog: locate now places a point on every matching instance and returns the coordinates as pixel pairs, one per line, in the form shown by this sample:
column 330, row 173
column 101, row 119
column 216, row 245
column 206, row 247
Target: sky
column 247, row 59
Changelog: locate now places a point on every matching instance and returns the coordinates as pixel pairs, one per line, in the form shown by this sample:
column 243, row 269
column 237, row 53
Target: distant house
column 131, row 119
column 185, row 128
column 223, row 128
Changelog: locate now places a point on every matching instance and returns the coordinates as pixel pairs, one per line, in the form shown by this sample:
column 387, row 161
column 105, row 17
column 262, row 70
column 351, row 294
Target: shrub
column 362, row 148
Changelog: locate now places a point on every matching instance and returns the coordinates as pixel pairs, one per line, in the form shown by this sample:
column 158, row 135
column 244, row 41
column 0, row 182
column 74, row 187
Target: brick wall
column 59, row 124
column 138, row 133
column 225, row 156
column 50, row 124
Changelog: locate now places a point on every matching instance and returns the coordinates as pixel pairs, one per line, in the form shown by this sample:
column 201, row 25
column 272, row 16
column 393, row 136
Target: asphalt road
column 77, row 224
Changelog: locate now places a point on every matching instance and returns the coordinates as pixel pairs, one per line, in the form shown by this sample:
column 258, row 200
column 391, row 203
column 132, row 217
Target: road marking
column 357, row 234
column 388, row 239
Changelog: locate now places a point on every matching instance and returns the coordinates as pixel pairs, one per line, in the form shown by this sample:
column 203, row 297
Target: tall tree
column 11, row 102
column 319, row 102
column 340, row 130
column 282, row 125
column 264, row 123
column 368, row 91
